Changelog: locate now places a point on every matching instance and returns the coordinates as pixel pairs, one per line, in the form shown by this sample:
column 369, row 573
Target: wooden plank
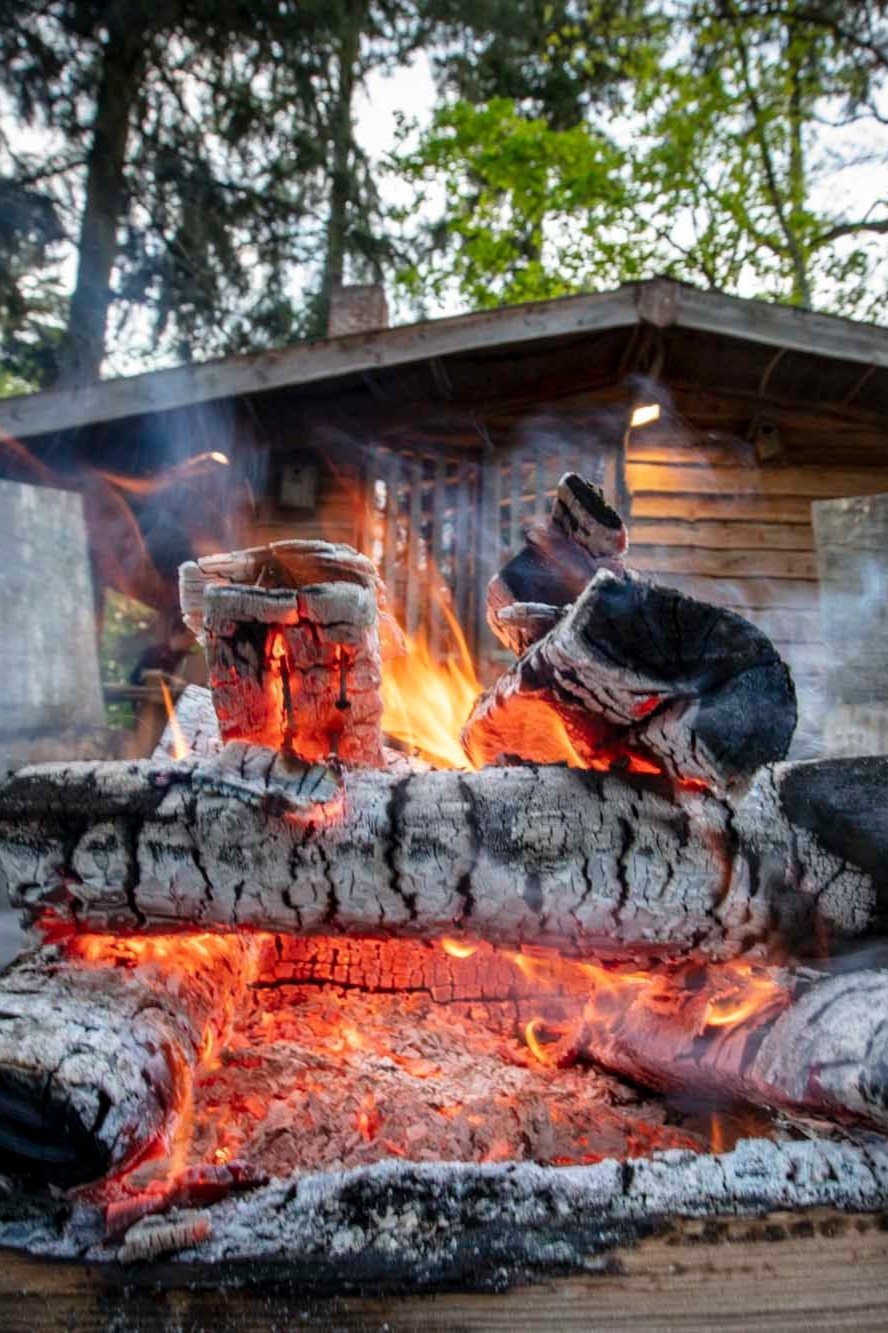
column 516, row 533
column 748, row 594
column 787, row 627
column 722, row 535
column 816, row 482
column 439, row 505
column 759, row 508
column 462, row 568
column 724, row 564
column 810, row 1272
column 691, row 452
column 412, row 573
column 390, row 549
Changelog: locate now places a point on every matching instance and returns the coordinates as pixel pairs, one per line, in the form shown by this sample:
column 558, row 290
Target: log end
column 42, row 1137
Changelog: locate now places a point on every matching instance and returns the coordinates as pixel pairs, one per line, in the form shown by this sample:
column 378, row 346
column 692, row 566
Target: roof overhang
column 659, row 302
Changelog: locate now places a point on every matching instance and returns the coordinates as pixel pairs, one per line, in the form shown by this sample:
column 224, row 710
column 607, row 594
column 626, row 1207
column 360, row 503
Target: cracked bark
column 636, row 671
column 595, row 864
column 95, row 1061
column 825, row 1053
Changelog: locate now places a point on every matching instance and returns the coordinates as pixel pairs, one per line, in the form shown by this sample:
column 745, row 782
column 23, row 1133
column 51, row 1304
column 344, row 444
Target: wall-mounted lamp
column 645, row 415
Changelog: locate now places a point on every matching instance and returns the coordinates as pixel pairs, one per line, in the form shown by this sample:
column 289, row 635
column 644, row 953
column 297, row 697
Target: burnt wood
column 637, row 668
column 825, row 1053
column 95, row 1062
column 581, row 535
column 593, row 863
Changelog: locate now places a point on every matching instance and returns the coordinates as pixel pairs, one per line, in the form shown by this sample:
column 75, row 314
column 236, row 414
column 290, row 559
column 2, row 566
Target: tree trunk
column 341, row 143
column 587, row 862
column 123, row 66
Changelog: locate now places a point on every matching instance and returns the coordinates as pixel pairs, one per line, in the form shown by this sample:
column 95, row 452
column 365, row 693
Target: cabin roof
column 748, row 347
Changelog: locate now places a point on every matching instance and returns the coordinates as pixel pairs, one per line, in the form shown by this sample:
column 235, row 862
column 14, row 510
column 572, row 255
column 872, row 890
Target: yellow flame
column 645, row 415
column 457, row 948
column 426, row 702
column 181, row 749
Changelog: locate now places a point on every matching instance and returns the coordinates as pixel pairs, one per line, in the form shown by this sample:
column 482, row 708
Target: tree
column 724, row 166
column 31, row 309
column 200, row 155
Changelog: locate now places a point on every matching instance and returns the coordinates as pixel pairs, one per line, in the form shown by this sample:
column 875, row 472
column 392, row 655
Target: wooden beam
column 659, row 302
column 720, row 536
column 815, row 482
column 28, row 415
column 799, row 1272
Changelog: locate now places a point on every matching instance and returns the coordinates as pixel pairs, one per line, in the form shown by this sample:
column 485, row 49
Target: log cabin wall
column 437, row 444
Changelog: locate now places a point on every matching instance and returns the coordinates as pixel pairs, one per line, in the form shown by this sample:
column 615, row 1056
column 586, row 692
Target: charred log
column 636, row 670
column 582, row 535
column 587, row 862
column 298, row 670
column 95, row 1062
column 821, row 1049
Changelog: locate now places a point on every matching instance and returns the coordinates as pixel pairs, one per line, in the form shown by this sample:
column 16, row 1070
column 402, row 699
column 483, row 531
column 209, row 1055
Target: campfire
column 367, row 960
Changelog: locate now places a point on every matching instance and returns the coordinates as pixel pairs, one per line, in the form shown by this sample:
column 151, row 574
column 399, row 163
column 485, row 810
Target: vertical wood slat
column 439, row 505
column 539, row 493
column 515, row 526
column 389, row 573
column 461, row 563
column 487, row 545
column 413, row 573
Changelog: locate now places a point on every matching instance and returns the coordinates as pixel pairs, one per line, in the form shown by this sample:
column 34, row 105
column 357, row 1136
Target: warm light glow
column 457, row 948
column 645, row 415
column 180, row 747
column 186, row 471
column 426, row 702
column 716, row 1133
column 744, row 993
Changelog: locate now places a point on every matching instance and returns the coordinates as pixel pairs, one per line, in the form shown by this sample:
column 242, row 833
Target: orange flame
column 457, row 948
column 426, row 702
column 187, row 471
column 180, row 747
column 745, row 993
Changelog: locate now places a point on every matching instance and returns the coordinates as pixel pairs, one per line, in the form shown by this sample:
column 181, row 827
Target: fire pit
column 305, row 999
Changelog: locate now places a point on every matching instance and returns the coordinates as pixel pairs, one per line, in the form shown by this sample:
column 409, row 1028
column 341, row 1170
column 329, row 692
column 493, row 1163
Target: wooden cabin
column 432, row 446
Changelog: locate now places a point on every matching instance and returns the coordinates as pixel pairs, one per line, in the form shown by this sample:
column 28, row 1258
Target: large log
column 96, row 1062
column 821, row 1049
column 634, row 669
column 587, row 862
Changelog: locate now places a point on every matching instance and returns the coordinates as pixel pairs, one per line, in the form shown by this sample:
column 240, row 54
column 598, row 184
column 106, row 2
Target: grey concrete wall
column 49, row 665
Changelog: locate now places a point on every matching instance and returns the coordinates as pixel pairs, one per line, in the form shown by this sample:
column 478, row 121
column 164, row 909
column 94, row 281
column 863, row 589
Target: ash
column 414, row 1143
column 324, row 1078
column 396, row 1224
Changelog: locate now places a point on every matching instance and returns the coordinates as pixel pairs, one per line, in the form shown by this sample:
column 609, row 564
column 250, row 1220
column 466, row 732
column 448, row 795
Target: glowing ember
column 458, row 948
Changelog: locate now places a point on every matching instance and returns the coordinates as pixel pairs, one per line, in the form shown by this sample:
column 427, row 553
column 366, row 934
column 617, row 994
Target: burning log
column 586, row 862
column 97, row 1055
column 291, row 632
column 582, row 535
column 639, row 674
column 811, row 1044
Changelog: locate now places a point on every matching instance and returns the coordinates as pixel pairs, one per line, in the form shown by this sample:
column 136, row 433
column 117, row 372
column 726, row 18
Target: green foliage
column 525, row 203
column 725, row 166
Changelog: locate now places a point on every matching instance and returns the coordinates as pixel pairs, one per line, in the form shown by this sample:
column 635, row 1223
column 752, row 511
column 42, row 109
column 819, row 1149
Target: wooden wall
column 715, row 522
